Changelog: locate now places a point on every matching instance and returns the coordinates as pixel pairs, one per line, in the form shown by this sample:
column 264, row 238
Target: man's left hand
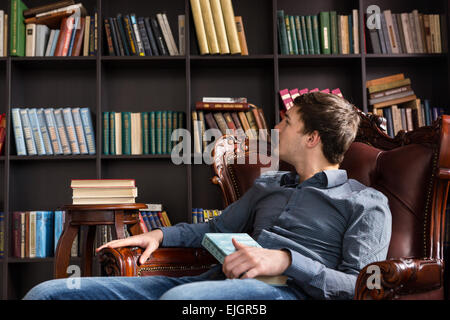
column 250, row 262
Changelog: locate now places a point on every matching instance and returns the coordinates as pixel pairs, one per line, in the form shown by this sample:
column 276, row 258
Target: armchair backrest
column 412, row 170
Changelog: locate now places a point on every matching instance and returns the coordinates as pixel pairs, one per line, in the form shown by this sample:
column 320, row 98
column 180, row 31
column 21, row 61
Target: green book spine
column 298, row 29
column 293, row 34
column 145, row 134
column 105, row 121
column 282, row 35
column 304, row 34
column 126, row 132
column 315, row 25
column 309, row 32
column 17, row 32
column 158, row 132
column 325, row 36
column 112, row 133
column 169, row 131
column 288, row 31
column 175, row 125
column 334, row 33
column 164, row 132
column 152, row 132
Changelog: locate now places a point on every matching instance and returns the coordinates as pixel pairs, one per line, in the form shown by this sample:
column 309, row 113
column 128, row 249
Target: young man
column 316, row 226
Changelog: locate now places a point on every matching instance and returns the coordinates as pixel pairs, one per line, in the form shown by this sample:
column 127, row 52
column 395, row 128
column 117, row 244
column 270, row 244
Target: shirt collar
column 324, row 179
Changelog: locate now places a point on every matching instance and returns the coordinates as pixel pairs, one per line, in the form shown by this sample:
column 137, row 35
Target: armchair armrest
column 401, row 279
column 174, row 262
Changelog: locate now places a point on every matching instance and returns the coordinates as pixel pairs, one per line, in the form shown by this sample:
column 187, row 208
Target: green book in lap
column 220, row 245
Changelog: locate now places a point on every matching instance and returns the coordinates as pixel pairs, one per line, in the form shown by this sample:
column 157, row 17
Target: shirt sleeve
column 366, row 240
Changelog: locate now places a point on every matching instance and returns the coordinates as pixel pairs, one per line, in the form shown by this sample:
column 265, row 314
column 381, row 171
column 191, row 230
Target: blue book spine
column 146, row 220
column 49, row 227
column 122, row 34
column 200, row 218
column 350, row 33
column 426, row 104
column 32, row 114
column 88, row 129
column 72, row 36
column 152, row 220
column 194, row 215
column 58, row 222
column 40, row 234
column 62, row 131
column 156, row 218
column 44, row 131
column 70, row 127
column 28, row 133
column 55, row 40
column 18, row 132
column 79, row 129
column 53, row 131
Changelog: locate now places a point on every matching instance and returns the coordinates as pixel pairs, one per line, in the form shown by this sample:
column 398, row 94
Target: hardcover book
column 220, row 245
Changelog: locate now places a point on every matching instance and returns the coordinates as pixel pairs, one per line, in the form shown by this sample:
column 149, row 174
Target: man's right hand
column 149, row 241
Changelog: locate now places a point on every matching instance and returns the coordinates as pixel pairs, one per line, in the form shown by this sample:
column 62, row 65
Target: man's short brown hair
column 334, row 118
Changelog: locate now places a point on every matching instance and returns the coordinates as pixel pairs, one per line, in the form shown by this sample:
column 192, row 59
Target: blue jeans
column 200, row 287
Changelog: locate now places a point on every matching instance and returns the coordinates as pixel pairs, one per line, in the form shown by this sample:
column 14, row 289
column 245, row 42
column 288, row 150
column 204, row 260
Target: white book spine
column 30, row 46
column 2, row 33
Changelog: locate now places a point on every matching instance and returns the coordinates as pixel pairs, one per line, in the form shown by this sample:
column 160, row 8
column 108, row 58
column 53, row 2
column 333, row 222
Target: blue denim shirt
column 333, row 227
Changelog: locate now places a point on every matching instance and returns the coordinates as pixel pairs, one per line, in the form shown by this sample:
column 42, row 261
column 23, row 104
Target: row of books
column 35, row 234
column 53, row 131
column 3, row 33
column 128, row 35
column 153, row 220
column 62, row 28
column 103, row 191
column 409, row 32
column 217, row 29
column 2, row 132
column 228, row 118
column 409, row 116
column 140, row 132
column 200, row 215
column 389, row 90
column 75, row 37
column 325, row 33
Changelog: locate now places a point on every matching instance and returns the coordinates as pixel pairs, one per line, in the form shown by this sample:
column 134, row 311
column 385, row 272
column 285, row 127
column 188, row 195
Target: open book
column 220, row 245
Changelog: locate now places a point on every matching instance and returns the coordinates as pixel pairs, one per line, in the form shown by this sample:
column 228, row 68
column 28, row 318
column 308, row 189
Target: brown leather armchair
column 412, row 170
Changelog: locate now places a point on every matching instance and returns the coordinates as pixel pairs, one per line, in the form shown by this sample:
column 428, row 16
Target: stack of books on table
column 103, row 191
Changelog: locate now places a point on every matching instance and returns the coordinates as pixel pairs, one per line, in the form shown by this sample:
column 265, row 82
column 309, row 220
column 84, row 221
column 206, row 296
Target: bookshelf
column 105, row 83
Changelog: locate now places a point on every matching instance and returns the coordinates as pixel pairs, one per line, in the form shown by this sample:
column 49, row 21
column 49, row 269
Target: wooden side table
column 118, row 215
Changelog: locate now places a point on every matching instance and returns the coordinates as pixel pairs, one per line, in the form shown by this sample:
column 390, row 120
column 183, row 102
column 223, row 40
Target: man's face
column 291, row 135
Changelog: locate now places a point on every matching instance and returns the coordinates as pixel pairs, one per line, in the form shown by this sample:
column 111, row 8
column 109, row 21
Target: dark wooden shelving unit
column 137, row 84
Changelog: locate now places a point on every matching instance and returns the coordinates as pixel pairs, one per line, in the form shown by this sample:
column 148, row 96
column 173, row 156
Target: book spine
column 36, row 131
column 165, row 34
column 126, row 132
column 163, row 132
column 116, row 33
column 293, row 34
column 16, row 226
column 17, row 31
column 18, row 132
column 88, row 129
column 241, row 34
column 325, row 37
column 79, row 129
column 71, row 133
column 282, row 34
column 298, row 30
column 53, row 132
column 87, row 32
column 169, row 123
column 48, row 49
column 162, row 46
column 207, row 106
column 144, row 36
column 112, row 133
column 219, row 25
column 304, row 34
column 152, row 125
column 199, row 27
column 230, row 26
column 309, row 30
column 145, row 133
column 122, row 33
column 30, row 47
column 221, row 123
column 109, row 39
column 39, row 235
column 140, row 46
column 151, row 36
column 196, row 130
column 76, row 25
column 27, row 132
column 106, row 131
column 62, row 131
column 182, row 34
column 315, row 26
column 210, row 30
column 44, row 131
column 129, row 33
column 32, row 235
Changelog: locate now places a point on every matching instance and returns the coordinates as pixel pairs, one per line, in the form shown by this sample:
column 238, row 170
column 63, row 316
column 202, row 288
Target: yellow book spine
column 199, row 26
column 219, row 25
column 241, row 34
column 230, row 26
column 208, row 22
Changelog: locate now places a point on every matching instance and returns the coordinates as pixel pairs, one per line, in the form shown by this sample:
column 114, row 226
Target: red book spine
column 286, row 98
column 64, row 37
column 142, row 223
column 78, row 42
column 16, row 234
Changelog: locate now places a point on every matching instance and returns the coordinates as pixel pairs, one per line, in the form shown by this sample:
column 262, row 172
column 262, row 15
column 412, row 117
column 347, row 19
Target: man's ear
column 313, row 138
